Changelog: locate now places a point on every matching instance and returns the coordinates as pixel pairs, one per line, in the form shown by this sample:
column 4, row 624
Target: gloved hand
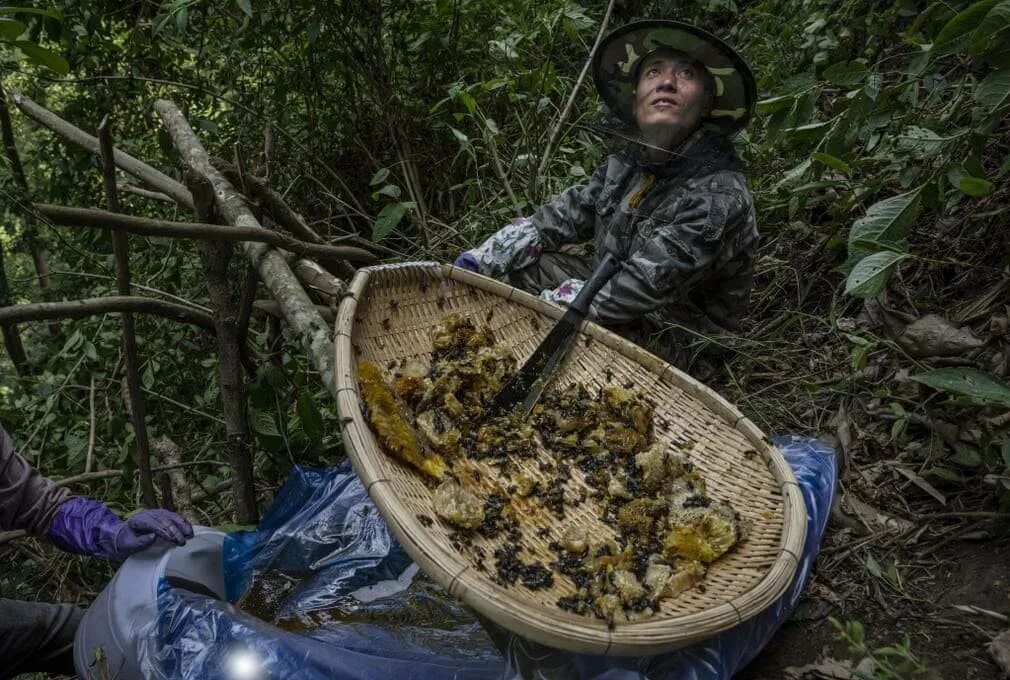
column 87, row 527
column 468, row 262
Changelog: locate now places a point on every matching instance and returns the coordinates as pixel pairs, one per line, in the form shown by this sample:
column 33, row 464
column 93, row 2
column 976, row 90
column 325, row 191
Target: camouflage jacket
column 685, row 231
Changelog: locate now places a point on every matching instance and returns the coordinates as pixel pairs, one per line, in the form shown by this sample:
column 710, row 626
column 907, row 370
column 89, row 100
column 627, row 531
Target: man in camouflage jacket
column 675, row 211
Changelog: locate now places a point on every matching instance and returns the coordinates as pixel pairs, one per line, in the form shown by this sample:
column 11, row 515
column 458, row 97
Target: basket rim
column 553, row 626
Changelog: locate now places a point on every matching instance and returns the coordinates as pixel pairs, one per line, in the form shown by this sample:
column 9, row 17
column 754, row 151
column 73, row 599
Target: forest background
column 878, row 161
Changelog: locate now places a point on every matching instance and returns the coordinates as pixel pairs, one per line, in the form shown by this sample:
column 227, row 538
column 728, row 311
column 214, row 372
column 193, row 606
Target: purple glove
column 87, row 527
column 468, row 262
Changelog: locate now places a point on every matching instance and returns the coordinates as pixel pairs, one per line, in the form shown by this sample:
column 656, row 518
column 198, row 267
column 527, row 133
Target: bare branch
column 273, row 269
column 78, row 309
column 88, row 217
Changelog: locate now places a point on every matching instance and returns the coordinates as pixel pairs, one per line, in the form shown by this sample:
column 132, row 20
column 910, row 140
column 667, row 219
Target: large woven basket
column 390, row 313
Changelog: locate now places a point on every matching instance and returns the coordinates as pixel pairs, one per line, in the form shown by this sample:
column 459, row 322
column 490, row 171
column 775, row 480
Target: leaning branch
column 89, row 217
column 78, row 309
column 273, row 269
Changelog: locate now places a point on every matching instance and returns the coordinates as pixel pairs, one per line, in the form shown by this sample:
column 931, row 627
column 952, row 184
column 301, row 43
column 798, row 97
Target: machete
column 521, row 393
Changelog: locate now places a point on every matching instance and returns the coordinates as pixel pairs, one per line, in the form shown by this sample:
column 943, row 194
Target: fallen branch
column 90, row 217
column 78, row 309
column 145, row 193
column 139, row 169
column 142, row 171
column 273, row 309
column 299, row 311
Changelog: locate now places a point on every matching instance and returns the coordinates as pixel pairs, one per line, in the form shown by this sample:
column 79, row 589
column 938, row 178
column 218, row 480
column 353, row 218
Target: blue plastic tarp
column 324, row 530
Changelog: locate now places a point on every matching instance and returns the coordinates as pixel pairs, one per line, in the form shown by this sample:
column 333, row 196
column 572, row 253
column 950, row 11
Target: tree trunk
column 12, row 337
column 216, row 255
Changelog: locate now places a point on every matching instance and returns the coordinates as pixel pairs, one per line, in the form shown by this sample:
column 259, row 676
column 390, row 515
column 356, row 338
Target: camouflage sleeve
column 679, row 253
column 571, row 217
column 512, row 247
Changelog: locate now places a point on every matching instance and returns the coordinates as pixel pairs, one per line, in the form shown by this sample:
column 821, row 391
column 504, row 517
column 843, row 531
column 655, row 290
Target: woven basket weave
column 390, row 313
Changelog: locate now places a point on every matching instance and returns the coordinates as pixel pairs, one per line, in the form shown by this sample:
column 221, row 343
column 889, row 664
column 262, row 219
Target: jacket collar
column 702, row 153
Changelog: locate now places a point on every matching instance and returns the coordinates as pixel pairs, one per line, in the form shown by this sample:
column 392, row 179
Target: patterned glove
column 468, row 262
column 87, row 527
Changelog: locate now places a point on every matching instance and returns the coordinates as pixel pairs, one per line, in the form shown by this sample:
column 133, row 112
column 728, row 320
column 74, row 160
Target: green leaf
column 387, row 220
column 870, row 274
column 888, row 220
column 956, row 32
column 846, row 73
column 832, row 162
column 245, row 6
column 468, row 101
column 263, row 423
column 776, row 103
column 1006, row 454
column 972, row 383
column 944, row 473
column 974, row 186
column 379, row 176
column 11, row 29
column 994, row 90
column 873, row 567
column 920, row 141
column 993, row 31
column 43, row 57
column 390, row 190
column 50, row 13
column 461, row 137
column 310, row 417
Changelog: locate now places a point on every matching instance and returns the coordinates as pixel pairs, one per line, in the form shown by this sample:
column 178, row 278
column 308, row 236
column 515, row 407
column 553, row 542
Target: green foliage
column 891, row 662
column 977, row 386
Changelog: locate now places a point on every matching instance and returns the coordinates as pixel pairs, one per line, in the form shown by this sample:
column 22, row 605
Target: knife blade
column 521, row 393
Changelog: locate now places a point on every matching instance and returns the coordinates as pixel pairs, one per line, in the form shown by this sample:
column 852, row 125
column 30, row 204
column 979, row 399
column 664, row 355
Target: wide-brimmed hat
column 615, row 69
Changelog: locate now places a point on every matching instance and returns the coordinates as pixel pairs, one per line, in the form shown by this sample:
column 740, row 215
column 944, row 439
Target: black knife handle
column 604, row 271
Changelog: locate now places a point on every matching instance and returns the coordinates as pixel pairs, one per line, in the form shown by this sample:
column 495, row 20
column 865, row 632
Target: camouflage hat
column 616, row 61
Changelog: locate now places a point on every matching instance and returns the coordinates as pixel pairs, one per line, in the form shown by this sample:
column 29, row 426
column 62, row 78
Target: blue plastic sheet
column 324, row 530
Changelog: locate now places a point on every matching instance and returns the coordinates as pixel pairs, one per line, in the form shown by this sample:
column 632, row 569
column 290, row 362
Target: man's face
column 670, row 94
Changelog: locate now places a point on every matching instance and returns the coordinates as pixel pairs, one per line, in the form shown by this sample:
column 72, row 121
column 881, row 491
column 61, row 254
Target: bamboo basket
column 389, row 314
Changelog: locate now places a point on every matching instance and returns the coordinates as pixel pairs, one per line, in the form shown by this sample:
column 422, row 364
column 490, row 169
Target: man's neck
column 661, row 145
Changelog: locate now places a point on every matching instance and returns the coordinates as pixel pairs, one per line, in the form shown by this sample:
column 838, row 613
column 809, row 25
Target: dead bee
column 535, row 324
column 629, row 385
column 750, row 454
column 392, row 364
column 701, row 588
column 394, row 304
column 385, row 324
column 425, row 520
column 610, row 374
column 543, row 532
column 489, row 315
column 440, row 303
column 588, row 341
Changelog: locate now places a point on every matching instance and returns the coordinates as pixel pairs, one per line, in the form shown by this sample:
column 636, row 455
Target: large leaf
column 387, row 220
column 245, row 6
column 310, row 417
column 994, row 90
column 993, row 32
column 832, row 162
column 846, row 73
column 49, row 13
column 956, row 33
column 967, row 382
column 11, row 29
column 920, row 141
column 44, row 57
column 888, row 220
column 870, row 275
column 974, row 186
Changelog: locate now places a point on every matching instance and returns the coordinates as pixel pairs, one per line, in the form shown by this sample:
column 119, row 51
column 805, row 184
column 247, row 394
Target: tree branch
column 78, row 309
column 273, row 269
column 89, row 217
column 120, row 249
